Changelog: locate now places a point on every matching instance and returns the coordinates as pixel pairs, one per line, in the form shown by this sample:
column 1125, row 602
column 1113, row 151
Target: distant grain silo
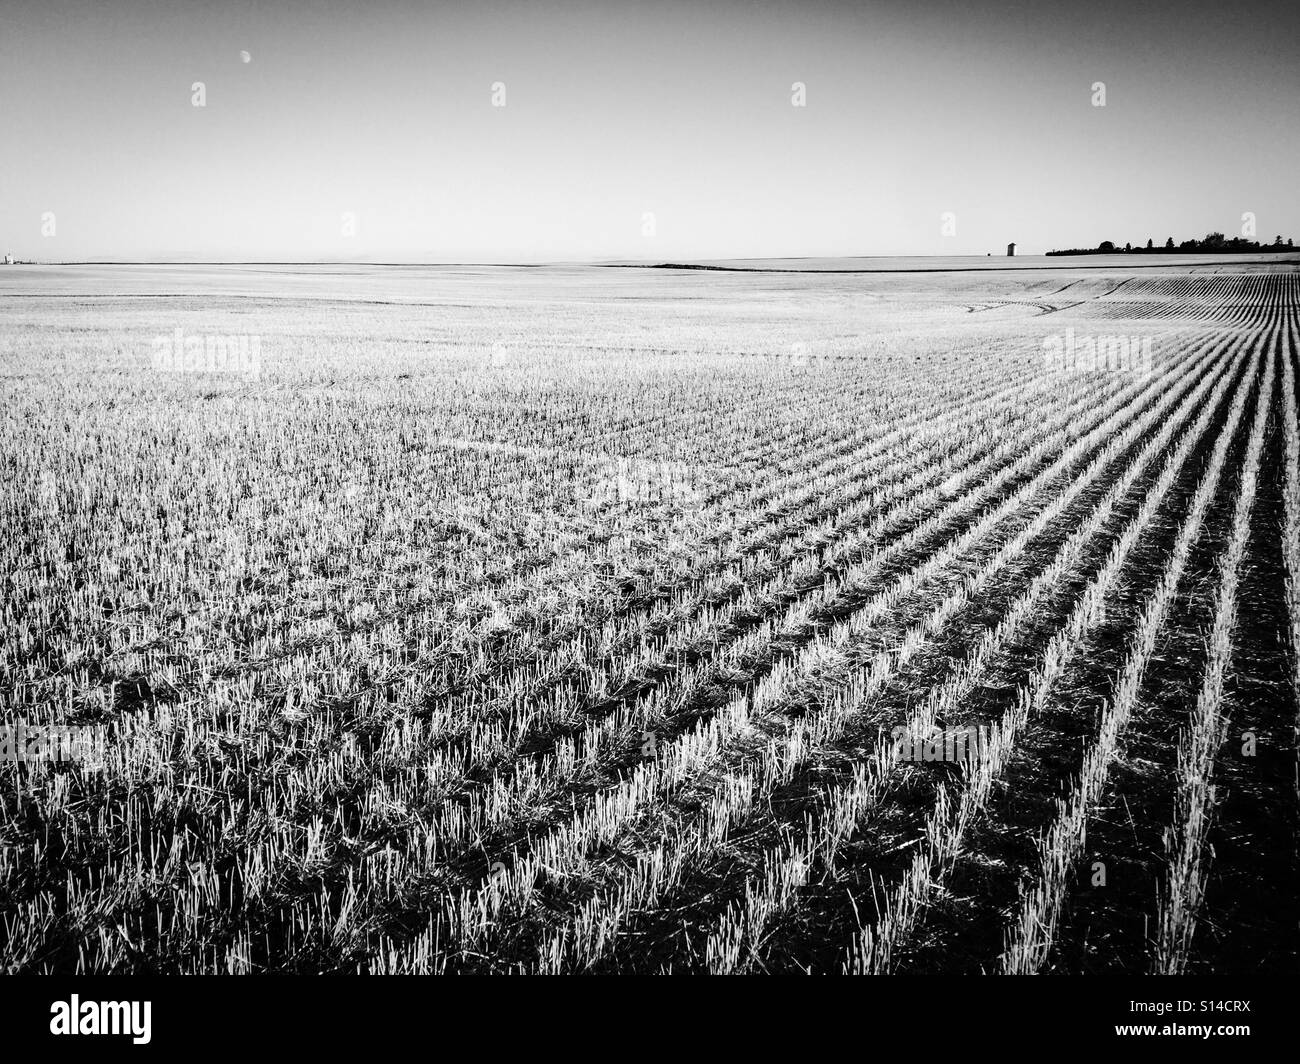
column 1011, row 251
column 9, row 260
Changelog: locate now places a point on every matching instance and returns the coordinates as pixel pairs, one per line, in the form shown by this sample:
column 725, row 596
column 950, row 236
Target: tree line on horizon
column 1212, row 242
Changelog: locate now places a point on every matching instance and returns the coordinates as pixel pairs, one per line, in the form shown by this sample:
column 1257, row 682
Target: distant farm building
column 1011, row 250
column 9, row 260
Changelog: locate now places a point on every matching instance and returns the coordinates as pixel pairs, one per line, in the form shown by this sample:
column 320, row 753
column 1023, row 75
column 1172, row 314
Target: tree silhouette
column 1214, row 242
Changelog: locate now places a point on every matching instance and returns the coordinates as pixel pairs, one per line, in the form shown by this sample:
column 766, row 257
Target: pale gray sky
column 616, row 110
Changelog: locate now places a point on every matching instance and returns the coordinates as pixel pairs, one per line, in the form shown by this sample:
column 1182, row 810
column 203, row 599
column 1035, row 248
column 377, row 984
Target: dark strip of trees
column 1213, row 242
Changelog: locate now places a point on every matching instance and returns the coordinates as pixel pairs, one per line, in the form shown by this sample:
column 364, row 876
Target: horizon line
column 707, row 265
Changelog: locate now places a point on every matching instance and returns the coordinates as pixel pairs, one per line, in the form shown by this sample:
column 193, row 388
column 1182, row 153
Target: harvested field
column 589, row 619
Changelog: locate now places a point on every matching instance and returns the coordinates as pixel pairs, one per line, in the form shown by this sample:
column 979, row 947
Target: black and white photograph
column 649, row 487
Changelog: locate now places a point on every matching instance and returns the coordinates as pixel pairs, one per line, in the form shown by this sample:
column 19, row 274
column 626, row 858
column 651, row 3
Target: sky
column 660, row 130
